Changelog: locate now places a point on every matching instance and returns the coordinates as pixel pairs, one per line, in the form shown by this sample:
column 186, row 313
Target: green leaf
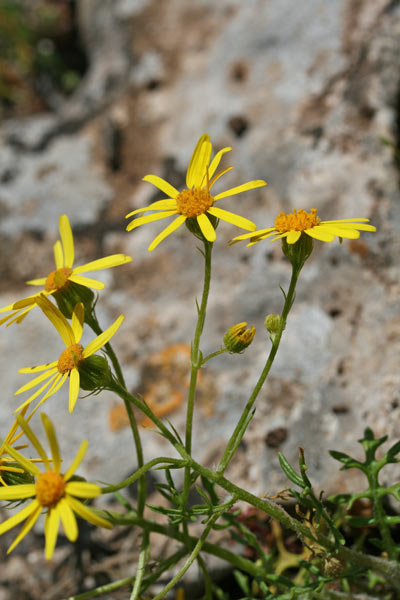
column 289, row 471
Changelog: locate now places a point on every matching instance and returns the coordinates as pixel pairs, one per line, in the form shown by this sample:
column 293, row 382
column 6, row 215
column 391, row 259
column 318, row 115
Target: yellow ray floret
column 54, row 374
column 64, row 273
column 52, row 492
column 195, row 202
column 291, row 226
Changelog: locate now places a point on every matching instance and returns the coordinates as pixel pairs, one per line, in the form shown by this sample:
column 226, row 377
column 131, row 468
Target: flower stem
column 246, row 414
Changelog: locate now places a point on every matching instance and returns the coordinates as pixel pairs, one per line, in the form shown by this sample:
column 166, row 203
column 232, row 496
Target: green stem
column 241, row 425
column 143, row 557
column 379, row 514
column 176, row 462
column 212, row 355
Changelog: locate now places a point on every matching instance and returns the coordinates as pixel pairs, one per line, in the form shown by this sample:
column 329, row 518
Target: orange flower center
column 195, row 202
column 50, row 488
column 299, row 220
column 57, row 279
column 70, row 358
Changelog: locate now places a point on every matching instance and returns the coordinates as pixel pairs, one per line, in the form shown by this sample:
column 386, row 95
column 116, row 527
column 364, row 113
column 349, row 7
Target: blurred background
column 95, row 95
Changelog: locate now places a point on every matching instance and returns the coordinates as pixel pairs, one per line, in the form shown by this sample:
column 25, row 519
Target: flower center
column 50, row 488
column 299, row 220
column 70, row 358
column 57, row 279
column 195, row 202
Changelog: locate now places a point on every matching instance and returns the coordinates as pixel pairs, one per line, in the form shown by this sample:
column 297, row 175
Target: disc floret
column 50, row 488
column 298, row 220
column 194, row 202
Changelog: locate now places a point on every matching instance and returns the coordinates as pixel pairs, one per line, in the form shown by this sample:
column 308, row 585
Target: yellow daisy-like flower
column 194, row 202
column 12, row 436
column 64, row 273
column 51, row 490
column 293, row 225
column 55, row 373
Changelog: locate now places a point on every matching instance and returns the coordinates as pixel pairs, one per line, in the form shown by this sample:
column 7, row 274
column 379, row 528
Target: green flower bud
column 69, row 296
column 237, row 338
column 273, row 324
column 298, row 253
column 95, row 373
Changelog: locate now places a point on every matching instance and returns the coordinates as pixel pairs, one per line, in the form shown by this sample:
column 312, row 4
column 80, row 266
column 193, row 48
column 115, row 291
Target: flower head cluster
column 195, row 202
column 291, row 226
column 67, row 365
column 64, row 274
column 52, row 491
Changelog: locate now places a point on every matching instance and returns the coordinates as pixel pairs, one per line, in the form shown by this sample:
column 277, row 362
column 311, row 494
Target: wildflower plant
column 327, row 565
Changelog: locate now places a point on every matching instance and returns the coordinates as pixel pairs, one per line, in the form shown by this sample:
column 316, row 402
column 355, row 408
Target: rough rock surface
column 304, row 94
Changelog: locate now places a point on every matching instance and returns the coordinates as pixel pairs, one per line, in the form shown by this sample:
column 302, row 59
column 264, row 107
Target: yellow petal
column 26, row 527
column 58, row 255
column 162, row 185
column 33, row 439
column 87, row 282
column 165, row 204
column 86, row 513
column 18, row 517
column 216, row 160
column 67, row 241
column 78, row 316
column 206, row 228
column 38, row 368
column 167, row 231
column 17, row 492
column 103, row 338
column 36, row 380
column 347, row 221
column 27, row 464
column 82, row 489
column 195, row 159
column 68, row 520
column 77, row 460
column 50, row 383
column 250, row 185
column 319, row 234
column 39, row 281
column 57, row 318
column 358, row 226
column 230, row 217
column 345, row 232
column 28, row 301
column 200, row 173
column 218, row 175
column 51, row 526
column 115, row 260
column 150, row 218
column 74, row 382
column 51, row 436
column 293, row 236
column 257, row 233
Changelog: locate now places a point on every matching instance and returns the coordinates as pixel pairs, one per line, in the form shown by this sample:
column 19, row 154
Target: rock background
column 304, row 93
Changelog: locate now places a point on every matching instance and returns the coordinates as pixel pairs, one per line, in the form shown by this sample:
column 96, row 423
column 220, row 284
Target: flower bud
column 237, row 338
column 95, row 373
column 298, row 253
column 69, row 296
column 273, row 324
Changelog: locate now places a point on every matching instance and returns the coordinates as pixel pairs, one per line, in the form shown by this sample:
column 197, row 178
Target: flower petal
column 216, row 160
column 86, row 513
column 40, row 281
column 27, row 526
column 74, row 383
column 87, row 282
column 195, row 159
column 57, row 318
column 58, row 255
column 17, row 492
column 162, row 185
column 103, row 338
column 200, row 166
column 49, row 384
column 77, row 460
column 78, row 317
column 345, row 232
column 218, row 175
column 67, row 241
column 107, row 262
column 27, row 464
column 68, row 520
column 167, row 231
column 319, row 234
column 165, row 204
column 18, row 517
column 38, row 368
column 293, row 236
column 346, row 221
column 51, row 436
column 82, row 489
column 51, row 526
column 34, row 440
column 250, row 185
column 259, row 233
column 230, row 217
column 206, row 228
column 36, row 380
column 150, row 218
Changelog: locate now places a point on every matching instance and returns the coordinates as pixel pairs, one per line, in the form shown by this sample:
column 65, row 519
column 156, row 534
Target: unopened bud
column 237, row 338
column 273, row 324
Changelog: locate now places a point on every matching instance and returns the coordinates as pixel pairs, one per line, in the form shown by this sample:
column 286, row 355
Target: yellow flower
column 293, row 225
column 51, row 490
column 64, row 273
column 55, row 373
column 12, row 436
column 194, row 202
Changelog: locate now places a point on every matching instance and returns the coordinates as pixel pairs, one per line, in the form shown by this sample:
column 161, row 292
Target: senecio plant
column 343, row 551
